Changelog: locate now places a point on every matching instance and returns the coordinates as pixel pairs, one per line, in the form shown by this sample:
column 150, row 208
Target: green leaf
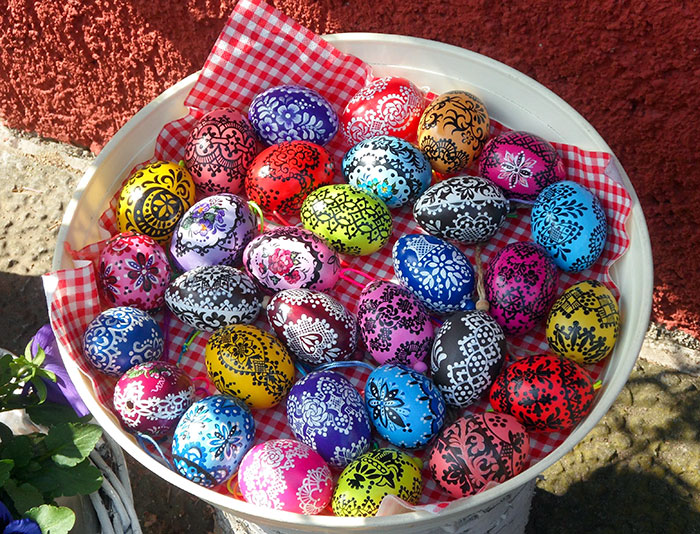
column 5, row 434
column 5, row 470
column 51, row 413
column 19, row 449
column 38, row 359
column 70, row 443
column 52, row 519
column 56, row 481
column 24, row 496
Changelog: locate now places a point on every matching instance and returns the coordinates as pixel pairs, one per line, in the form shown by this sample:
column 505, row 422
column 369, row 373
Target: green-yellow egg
column 154, row 199
column 351, row 220
column 366, row 481
column 584, row 323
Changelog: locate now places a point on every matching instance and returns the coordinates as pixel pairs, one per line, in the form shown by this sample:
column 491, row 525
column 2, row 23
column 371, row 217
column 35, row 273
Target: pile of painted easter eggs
column 190, row 240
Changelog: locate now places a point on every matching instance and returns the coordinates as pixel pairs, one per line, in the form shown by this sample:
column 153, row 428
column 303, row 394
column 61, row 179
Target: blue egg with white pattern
column 325, row 411
column 292, row 113
column 390, row 167
column 211, row 439
column 437, row 272
column 121, row 337
column 405, row 407
column 569, row 222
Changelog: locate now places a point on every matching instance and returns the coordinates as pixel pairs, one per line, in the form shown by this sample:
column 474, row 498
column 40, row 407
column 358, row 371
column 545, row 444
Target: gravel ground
column 637, row 471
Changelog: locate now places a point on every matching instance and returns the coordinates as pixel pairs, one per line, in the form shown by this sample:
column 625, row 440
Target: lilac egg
column 326, row 412
column 291, row 258
column 213, row 232
column 394, row 325
column 292, row 113
column 521, row 285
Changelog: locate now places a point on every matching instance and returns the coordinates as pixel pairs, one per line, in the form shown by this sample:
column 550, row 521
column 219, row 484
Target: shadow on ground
column 22, row 310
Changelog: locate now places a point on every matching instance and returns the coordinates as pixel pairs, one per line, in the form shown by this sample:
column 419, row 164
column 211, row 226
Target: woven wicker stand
column 507, row 515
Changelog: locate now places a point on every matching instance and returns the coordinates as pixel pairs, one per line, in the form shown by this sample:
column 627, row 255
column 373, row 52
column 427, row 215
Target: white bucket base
column 507, row 515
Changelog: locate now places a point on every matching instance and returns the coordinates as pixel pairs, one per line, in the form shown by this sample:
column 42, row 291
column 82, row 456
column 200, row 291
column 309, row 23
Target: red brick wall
column 76, row 70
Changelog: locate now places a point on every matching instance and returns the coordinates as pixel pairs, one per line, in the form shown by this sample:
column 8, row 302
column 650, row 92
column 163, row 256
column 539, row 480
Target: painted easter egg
column 453, row 130
column 467, row 355
column 154, row 199
column 121, row 337
column 544, row 392
column 219, row 151
column 394, row 325
column 390, row 167
column 151, row 397
column 293, row 113
column 285, row 474
column 436, row 271
column 214, row 231
column 349, row 219
column 584, row 322
column 521, row 163
column 250, row 364
column 521, row 284
column 569, row 222
column 283, row 175
column 211, row 439
column 289, row 257
column 405, row 407
column 134, row 271
column 315, row 327
column 386, row 106
column 212, row 296
column 477, row 450
column 467, row 209
column 365, row 482
column 326, row 412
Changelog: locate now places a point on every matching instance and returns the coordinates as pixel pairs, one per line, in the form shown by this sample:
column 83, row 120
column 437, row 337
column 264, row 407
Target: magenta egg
column 477, row 450
column 521, row 163
column 219, row 151
column 521, row 285
column 394, row 325
column 289, row 257
column 151, row 397
column 134, row 271
column 315, row 327
column 285, row 474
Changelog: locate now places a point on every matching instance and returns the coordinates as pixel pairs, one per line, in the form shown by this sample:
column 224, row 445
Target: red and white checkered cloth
column 259, row 48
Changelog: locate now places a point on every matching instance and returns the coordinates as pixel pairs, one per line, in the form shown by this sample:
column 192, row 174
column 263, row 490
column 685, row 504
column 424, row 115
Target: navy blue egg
column 327, row 413
column 568, row 221
column 292, row 113
column 121, row 337
column 404, row 406
column 390, row 167
column 211, row 439
column 436, row 271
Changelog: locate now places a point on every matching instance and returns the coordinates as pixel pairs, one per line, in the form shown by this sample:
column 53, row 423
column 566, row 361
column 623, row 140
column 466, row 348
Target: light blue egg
column 404, row 406
column 390, row 167
column 436, row 271
column 568, row 221
column 211, row 439
column 121, row 337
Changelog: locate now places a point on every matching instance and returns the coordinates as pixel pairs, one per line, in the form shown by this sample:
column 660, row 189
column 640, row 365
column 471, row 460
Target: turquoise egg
column 568, row 221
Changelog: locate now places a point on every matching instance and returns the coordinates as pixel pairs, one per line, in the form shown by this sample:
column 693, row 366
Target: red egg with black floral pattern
column 478, row 450
column 544, row 392
column 282, row 175
column 134, row 271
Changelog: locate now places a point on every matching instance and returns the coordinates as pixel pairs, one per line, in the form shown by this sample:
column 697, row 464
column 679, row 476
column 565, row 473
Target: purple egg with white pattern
column 290, row 257
column 214, row 231
column 293, row 113
column 521, row 286
column 394, row 325
column 325, row 411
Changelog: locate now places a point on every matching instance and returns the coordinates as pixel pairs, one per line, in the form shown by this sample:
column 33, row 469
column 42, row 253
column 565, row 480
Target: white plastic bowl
column 512, row 98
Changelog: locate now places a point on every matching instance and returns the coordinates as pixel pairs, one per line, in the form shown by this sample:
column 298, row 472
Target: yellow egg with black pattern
column 250, row 364
column 584, row 323
column 453, row 130
column 154, row 199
